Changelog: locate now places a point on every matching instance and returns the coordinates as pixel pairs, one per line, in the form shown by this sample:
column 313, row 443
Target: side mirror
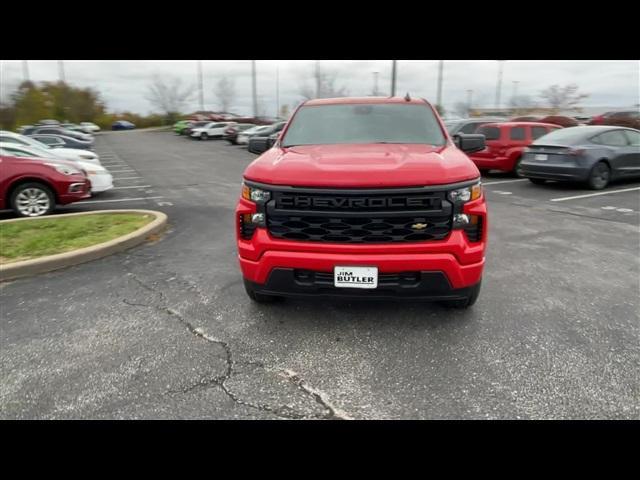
column 470, row 143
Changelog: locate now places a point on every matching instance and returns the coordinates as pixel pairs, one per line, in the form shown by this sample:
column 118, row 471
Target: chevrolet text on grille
column 346, row 202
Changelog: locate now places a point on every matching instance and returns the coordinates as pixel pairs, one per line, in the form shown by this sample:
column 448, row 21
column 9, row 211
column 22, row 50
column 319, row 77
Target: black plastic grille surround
column 359, row 217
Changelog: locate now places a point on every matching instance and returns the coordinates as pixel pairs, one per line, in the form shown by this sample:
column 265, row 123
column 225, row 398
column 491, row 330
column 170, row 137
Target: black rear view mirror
column 470, row 142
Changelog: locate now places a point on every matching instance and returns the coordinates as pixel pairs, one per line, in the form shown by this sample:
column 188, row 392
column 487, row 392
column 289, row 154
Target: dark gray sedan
column 61, row 141
column 591, row 154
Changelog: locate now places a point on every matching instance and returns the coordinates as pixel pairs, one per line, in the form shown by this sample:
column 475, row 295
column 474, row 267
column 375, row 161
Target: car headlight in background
column 87, row 157
column 64, row 169
column 466, row 194
column 254, row 194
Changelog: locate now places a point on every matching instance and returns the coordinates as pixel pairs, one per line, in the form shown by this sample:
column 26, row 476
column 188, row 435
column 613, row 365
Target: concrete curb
column 49, row 263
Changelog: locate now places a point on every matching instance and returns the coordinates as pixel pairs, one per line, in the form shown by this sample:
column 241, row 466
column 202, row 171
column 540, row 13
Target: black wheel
column 537, row 181
column 258, row 297
column 465, row 302
column 517, row 169
column 32, row 200
column 599, row 176
column 204, row 136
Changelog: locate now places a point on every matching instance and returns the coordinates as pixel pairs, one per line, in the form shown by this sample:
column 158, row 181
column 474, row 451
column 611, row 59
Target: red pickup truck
column 367, row 198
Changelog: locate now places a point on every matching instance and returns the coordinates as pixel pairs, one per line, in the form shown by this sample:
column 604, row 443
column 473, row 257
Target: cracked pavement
column 166, row 331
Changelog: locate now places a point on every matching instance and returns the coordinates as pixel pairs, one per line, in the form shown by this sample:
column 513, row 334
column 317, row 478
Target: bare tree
column 563, row 98
column 225, row 92
column 167, row 95
column 324, row 85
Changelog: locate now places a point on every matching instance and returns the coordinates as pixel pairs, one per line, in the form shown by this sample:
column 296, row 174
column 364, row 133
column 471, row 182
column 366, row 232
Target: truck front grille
column 359, row 217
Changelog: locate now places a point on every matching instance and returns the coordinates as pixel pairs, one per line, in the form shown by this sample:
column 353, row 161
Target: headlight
column 466, row 194
column 254, row 194
column 64, row 169
column 87, row 157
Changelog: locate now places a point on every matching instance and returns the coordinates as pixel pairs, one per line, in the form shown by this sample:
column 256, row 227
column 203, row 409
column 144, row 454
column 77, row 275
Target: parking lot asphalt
column 166, row 331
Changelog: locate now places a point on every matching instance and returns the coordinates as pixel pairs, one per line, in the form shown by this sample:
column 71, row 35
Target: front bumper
column 81, row 190
column 459, row 260
column 409, row 285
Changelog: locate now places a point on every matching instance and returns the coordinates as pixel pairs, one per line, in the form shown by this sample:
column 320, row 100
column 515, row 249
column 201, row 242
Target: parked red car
column 32, row 187
column 367, row 198
column 505, row 143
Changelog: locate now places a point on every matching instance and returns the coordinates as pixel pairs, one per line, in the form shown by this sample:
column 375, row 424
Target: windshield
column 364, row 123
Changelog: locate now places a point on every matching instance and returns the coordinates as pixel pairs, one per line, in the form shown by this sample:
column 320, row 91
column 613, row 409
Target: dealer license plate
column 355, row 277
column 541, row 157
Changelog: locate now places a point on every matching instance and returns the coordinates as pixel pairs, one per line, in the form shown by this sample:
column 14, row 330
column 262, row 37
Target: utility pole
column 277, row 92
column 201, row 85
column 515, row 88
column 439, row 95
column 61, row 71
column 469, row 100
column 25, row 70
column 375, row 84
column 393, row 77
column 499, row 86
column 253, row 82
column 318, row 79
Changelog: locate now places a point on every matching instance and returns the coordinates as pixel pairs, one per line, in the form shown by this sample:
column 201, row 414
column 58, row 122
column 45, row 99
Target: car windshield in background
column 364, row 123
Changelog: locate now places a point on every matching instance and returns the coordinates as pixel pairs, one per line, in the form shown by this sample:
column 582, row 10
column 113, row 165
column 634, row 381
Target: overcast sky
column 124, row 84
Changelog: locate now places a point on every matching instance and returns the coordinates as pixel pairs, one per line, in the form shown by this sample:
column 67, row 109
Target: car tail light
column 575, row 151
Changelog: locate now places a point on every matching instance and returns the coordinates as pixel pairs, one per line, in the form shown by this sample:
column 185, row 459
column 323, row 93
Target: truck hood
column 362, row 165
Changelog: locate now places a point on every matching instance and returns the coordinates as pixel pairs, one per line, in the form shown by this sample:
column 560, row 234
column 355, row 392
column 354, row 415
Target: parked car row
column 46, row 166
column 558, row 149
column 257, row 138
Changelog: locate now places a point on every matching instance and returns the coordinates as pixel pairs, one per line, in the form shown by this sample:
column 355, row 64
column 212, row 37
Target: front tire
column 258, row 297
column 32, row 200
column 465, row 302
column 204, row 136
column 599, row 176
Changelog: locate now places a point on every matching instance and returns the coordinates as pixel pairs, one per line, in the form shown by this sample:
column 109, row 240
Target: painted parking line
column 504, row 181
column 131, row 186
column 610, row 192
column 127, row 170
column 126, row 178
column 118, row 200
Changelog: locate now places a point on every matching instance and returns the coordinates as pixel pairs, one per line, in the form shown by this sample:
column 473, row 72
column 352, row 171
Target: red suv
column 506, row 142
column 32, row 187
column 368, row 198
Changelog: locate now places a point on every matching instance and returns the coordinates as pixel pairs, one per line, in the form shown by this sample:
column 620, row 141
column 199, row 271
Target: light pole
column 515, row 88
column 25, row 70
column 439, row 95
column 277, row 92
column 469, row 99
column 499, row 85
column 61, row 71
column 393, row 77
column 201, row 85
column 375, row 84
column 253, row 83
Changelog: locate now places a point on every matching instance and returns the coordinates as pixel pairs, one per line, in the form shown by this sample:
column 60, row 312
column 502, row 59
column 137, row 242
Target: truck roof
column 360, row 100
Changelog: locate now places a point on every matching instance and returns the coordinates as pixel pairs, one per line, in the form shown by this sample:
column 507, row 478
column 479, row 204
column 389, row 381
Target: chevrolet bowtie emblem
column 418, row 226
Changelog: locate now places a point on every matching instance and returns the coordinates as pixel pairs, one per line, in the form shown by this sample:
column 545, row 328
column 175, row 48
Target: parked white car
column 243, row 137
column 65, row 153
column 101, row 179
column 89, row 127
column 211, row 130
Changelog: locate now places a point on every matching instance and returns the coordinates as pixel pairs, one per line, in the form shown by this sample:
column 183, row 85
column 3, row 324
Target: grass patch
column 48, row 236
